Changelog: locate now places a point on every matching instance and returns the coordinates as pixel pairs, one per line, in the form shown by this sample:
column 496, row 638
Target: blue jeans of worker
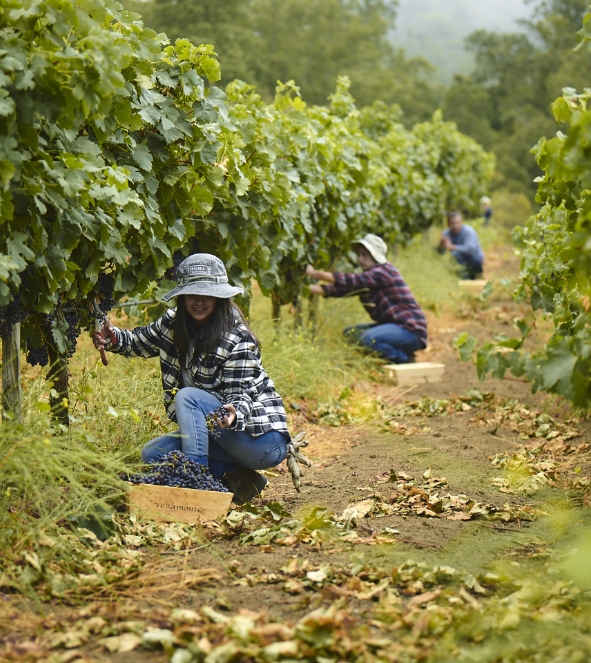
column 468, row 268
column 392, row 341
column 231, row 449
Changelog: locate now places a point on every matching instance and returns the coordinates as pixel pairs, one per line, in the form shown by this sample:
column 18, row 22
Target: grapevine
column 174, row 469
column 158, row 156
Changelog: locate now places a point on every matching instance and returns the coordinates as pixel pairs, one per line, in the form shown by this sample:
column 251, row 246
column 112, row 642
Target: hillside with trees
column 504, row 102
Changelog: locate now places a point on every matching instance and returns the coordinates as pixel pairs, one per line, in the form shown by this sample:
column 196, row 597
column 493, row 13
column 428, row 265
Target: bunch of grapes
column 11, row 314
column 73, row 320
column 177, row 471
column 177, row 259
column 37, row 356
column 211, row 421
column 106, row 283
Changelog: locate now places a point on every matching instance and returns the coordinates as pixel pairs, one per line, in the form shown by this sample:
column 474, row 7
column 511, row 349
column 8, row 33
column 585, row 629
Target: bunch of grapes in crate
column 177, row 471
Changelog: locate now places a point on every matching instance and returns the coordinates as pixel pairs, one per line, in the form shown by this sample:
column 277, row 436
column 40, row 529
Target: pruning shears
column 100, row 320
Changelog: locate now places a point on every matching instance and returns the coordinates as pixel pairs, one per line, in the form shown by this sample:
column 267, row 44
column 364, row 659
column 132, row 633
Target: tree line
column 504, row 103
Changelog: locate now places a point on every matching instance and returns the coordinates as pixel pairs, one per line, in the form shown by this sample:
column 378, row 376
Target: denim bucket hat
column 203, row 274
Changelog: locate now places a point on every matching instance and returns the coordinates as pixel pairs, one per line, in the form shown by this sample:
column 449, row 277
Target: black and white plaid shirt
column 233, row 372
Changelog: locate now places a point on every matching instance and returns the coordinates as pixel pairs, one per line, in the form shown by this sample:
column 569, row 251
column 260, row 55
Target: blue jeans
column 468, row 268
column 231, row 449
column 393, row 342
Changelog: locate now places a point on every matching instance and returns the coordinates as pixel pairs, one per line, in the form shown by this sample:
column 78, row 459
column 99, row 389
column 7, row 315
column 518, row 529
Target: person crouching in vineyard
column 400, row 327
column 210, row 361
column 461, row 240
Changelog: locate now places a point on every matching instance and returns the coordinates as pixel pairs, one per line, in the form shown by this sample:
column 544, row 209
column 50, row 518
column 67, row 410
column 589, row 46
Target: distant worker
column 462, row 241
column 400, row 327
column 487, row 210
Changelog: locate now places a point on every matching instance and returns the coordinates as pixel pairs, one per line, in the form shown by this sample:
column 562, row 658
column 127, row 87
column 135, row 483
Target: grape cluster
column 177, row 259
column 106, row 283
column 37, row 356
column 177, row 471
column 11, row 314
column 73, row 320
column 211, row 421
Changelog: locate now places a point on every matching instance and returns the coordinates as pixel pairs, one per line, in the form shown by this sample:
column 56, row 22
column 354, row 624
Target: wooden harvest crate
column 474, row 287
column 419, row 373
column 177, row 504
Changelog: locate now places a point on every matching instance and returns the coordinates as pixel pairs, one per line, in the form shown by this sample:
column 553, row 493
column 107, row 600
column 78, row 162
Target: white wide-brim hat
column 203, row 274
column 376, row 247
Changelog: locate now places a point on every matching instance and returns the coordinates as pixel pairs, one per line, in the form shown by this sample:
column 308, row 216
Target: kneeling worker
column 462, row 240
column 400, row 326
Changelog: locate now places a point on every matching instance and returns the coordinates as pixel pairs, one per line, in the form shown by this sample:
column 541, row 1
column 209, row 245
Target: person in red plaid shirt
column 400, row 327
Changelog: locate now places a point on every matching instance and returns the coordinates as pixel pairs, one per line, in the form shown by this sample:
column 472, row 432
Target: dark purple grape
column 11, row 314
column 105, row 285
column 211, row 421
column 176, row 470
column 37, row 356
column 73, row 320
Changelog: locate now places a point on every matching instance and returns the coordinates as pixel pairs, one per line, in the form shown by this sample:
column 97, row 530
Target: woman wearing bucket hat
column 210, row 358
column 400, row 327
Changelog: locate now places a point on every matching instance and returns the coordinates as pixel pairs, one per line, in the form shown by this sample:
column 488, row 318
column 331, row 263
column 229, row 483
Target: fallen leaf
column 421, row 599
column 293, row 587
column 121, row 644
column 458, row 515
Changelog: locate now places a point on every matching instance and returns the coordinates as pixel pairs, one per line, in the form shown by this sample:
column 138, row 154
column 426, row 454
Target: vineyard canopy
column 116, row 148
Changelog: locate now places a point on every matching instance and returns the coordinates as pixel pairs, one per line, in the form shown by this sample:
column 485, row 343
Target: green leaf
column 488, row 290
column 557, row 367
column 142, row 156
column 464, row 344
column 202, row 201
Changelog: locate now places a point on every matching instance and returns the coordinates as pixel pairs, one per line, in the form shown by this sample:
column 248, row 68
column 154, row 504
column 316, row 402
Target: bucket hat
column 203, row 274
column 375, row 245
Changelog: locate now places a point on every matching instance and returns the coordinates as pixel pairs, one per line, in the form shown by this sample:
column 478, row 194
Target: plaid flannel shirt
column 233, row 372
column 385, row 296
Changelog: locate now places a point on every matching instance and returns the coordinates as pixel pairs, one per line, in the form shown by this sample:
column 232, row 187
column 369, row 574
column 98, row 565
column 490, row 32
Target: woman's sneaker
column 244, row 483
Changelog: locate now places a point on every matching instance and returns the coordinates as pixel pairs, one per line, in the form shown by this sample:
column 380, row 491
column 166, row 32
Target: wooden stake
column 11, row 375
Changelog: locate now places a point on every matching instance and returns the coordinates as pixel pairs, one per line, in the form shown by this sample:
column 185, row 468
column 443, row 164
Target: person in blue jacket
column 487, row 210
column 462, row 241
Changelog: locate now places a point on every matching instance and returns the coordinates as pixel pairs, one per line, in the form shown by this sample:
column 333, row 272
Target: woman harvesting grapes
column 399, row 328
column 210, row 362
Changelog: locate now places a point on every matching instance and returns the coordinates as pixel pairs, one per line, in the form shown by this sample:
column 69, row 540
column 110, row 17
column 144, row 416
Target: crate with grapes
column 178, row 488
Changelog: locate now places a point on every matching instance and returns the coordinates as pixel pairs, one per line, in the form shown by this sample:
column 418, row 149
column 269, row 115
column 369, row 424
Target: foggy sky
column 435, row 29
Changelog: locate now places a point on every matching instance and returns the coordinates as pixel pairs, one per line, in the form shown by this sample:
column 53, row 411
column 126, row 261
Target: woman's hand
column 320, row 275
column 315, row 289
column 229, row 419
column 100, row 335
column 311, row 272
